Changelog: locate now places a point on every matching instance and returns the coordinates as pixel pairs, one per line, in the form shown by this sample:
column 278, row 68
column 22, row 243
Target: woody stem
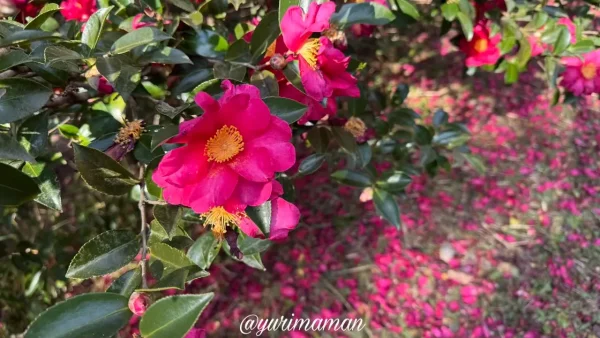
column 142, row 207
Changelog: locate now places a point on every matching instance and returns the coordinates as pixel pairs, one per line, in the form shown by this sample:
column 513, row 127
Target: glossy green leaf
column 352, row 178
column 20, row 98
column 166, row 55
column 204, row 250
column 253, row 261
column 29, row 35
column 344, row 139
column 369, row 13
column 466, row 24
column 225, row 70
column 138, row 37
column 88, row 315
column 172, row 317
column 169, row 217
column 563, row 40
column 261, row 216
column 250, row 245
column 186, row 5
column 172, row 258
column 450, row 10
column 311, row 164
column 266, row 82
column 287, row 109
column 292, row 74
column 387, row 206
column 47, row 181
column 239, row 51
column 206, row 43
column 394, row 182
column 33, row 134
column 105, row 253
column 11, row 149
column 127, row 283
column 173, row 280
column 264, row 35
column 408, row 8
column 13, row 58
column 16, row 187
column 102, row 172
column 475, row 162
column 45, row 13
column 512, row 73
column 93, row 28
column 121, row 73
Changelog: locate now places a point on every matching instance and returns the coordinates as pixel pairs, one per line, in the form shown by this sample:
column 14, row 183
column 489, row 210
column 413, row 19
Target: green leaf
column 286, row 109
column 11, row 149
column 26, row 36
column 440, row 118
column 174, row 316
column 264, row 35
column 13, row 58
column 236, row 3
column 266, row 82
column 186, row 5
column 408, row 8
column 400, row 94
column 138, row 37
column 121, row 73
column 394, row 182
column 174, row 280
column 369, row 13
column 292, row 74
column 311, row 164
column 165, row 109
column 239, row 51
column 172, row 258
column 319, row 139
column 93, row 28
column 162, row 135
column 15, row 186
column 206, row 43
column 69, row 131
column 466, row 24
column 512, row 73
column 253, row 261
column 204, row 250
column 475, row 162
column 169, row 217
column 102, row 172
column 345, row 139
column 524, row 53
column 562, row 41
column 352, row 178
column 88, row 315
column 250, row 245
column 387, row 206
column 225, row 70
column 127, row 283
column 104, row 254
column 47, row 181
column 143, row 152
column 62, row 58
column 166, row 55
column 21, row 98
column 33, row 134
column 582, row 46
column 450, row 10
column 261, row 216
column 46, row 12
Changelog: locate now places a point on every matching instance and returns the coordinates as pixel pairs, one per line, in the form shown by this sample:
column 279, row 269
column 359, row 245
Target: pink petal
column 284, row 218
column 313, row 81
column 250, row 116
column 253, row 193
column 215, row 189
column 254, row 165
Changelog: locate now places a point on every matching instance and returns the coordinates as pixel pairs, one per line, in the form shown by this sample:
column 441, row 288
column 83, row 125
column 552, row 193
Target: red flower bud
column 278, row 62
column 138, row 303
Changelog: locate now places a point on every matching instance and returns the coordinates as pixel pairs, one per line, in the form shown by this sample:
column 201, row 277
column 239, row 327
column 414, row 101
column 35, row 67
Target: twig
column 142, row 207
column 155, row 202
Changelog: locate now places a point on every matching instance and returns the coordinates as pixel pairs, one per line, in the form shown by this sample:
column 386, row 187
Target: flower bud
column 138, row 303
column 278, row 61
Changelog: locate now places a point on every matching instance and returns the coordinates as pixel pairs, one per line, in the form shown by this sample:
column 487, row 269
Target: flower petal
column 284, row 218
column 215, row 189
column 253, row 164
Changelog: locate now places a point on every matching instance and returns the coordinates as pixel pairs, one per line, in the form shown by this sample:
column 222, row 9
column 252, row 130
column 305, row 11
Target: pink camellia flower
column 322, row 66
column 284, row 217
column 104, row 87
column 482, row 49
column 581, row 76
column 79, row 10
column 229, row 158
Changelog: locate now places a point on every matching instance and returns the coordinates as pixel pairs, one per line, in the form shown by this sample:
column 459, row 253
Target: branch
column 142, row 207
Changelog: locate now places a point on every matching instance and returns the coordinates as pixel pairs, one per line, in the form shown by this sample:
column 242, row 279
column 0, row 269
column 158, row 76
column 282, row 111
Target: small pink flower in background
column 482, row 49
column 366, row 30
column 322, row 66
column 78, row 10
column 104, row 87
column 581, row 75
column 137, row 23
column 229, row 159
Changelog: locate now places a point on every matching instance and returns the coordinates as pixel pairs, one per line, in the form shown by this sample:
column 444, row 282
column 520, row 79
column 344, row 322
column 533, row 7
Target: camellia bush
column 207, row 112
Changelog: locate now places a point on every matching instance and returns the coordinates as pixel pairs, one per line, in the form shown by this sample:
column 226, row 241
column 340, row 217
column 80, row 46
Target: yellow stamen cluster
column 218, row 219
column 224, row 144
column 480, row 45
column 589, row 71
column 132, row 131
column 356, row 127
column 309, row 52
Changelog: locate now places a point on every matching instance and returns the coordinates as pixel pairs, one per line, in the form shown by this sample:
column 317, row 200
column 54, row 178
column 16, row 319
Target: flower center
column 224, row 145
column 131, row 132
column 309, row 52
column 481, row 45
column 219, row 218
column 589, row 71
